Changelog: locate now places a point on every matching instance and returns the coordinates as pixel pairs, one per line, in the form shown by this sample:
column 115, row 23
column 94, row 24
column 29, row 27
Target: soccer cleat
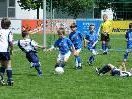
column 10, row 82
column 90, row 63
column 2, row 82
column 105, row 53
column 125, row 60
column 97, row 71
column 40, row 73
column 79, row 67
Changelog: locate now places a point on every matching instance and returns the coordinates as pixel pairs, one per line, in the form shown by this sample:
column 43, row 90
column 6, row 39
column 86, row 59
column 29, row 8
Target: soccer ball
column 59, row 70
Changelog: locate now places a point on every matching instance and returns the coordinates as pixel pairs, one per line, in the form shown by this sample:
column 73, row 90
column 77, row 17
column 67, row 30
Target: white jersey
column 27, row 45
column 6, row 37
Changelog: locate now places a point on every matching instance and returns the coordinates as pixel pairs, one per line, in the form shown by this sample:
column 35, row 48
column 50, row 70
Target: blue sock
column 37, row 67
column 126, row 55
column 9, row 73
column 2, row 69
column 104, row 47
column 91, row 58
column 62, row 64
column 78, row 60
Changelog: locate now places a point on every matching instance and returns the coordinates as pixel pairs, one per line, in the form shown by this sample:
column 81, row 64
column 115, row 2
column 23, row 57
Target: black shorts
column 105, row 37
column 4, row 56
column 32, row 57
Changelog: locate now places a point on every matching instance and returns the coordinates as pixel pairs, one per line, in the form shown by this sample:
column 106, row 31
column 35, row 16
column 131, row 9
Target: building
column 11, row 9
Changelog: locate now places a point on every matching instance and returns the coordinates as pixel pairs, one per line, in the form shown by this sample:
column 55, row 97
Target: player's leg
column 6, row 64
column 78, row 59
column 9, row 72
column 107, row 40
column 104, row 46
column 60, row 61
column 2, row 71
column 104, row 69
column 105, row 43
column 2, row 68
column 91, row 59
column 34, row 60
column 126, row 55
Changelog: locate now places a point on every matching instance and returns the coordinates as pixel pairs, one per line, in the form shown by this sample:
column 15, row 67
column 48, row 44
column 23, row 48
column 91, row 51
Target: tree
column 122, row 8
column 72, row 7
column 30, row 4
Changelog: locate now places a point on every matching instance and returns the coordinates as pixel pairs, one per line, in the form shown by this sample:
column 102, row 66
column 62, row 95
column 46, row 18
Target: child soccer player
column 6, row 42
column 105, row 31
column 29, row 47
column 91, row 40
column 129, row 42
column 114, row 70
column 76, row 37
column 65, row 47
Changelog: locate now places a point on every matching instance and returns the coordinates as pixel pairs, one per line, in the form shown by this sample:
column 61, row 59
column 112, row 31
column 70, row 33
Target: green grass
column 73, row 84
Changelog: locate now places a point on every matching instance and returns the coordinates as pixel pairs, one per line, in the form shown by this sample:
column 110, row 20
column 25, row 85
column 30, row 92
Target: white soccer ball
column 59, row 70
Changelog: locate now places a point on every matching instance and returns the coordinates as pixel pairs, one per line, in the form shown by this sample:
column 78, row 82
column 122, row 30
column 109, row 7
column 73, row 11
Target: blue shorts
column 4, row 56
column 115, row 72
column 32, row 57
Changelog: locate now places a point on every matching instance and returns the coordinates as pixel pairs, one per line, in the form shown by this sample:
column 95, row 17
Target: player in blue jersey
column 76, row 37
column 65, row 48
column 91, row 39
column 6, row 46
column 29, row 47
column 128, row 37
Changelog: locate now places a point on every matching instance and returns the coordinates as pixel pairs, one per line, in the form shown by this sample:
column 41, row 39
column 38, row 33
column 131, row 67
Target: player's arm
column 39, row 46
column 51, row 48
column 11, row 47
column 95, row 42
column 71, row 46
column 36, row 45
column 126, row 36
column 86, row 40
column 123, row 66
column 11, row 42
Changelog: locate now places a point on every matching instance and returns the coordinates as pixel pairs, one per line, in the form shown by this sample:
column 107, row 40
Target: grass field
column 73, row 84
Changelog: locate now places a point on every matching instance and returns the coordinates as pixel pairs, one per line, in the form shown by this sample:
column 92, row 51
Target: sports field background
column 73, row 84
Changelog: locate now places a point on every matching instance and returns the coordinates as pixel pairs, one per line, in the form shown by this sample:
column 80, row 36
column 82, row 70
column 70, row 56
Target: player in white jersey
column 29, row 46
column 6, row 46
column 114, row 70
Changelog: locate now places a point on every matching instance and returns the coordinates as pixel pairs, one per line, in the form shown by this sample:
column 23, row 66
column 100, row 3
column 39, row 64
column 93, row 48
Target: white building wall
column 25, row 14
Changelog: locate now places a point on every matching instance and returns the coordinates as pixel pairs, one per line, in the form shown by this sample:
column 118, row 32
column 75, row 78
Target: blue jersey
column 64, row 44
column 92, row 38
column 76, row 38
column 129, row 38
